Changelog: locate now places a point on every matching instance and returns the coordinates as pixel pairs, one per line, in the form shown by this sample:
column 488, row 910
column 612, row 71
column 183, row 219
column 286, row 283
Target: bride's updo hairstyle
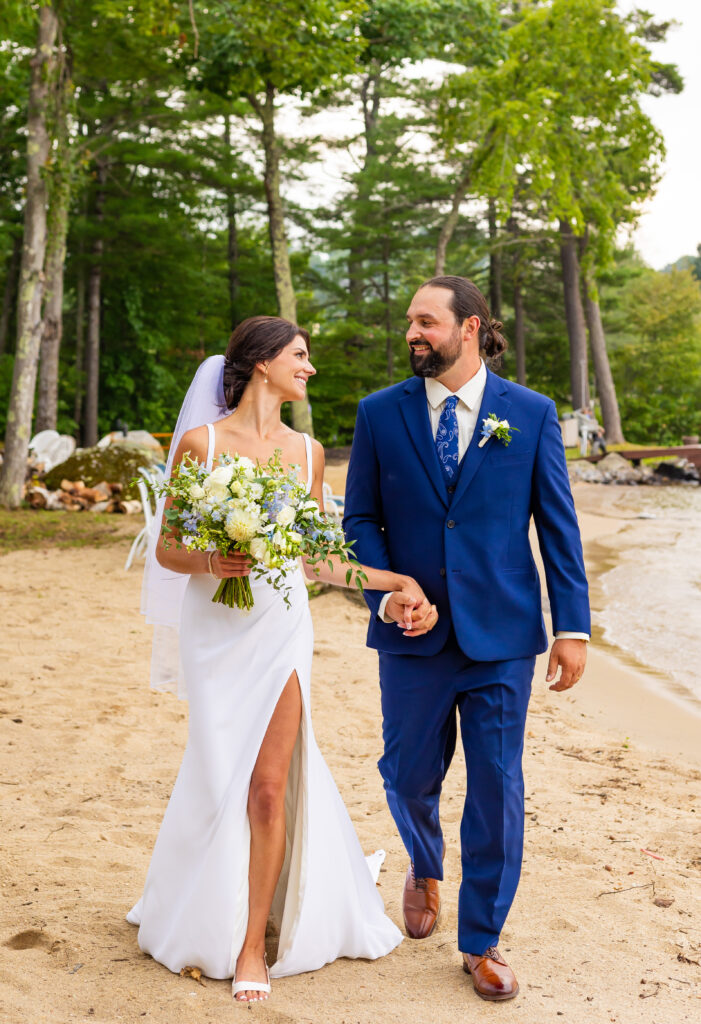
column 256, row 340
column 468, row 301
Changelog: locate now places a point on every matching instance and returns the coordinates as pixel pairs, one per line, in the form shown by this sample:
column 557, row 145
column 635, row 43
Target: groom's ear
column 470, row 328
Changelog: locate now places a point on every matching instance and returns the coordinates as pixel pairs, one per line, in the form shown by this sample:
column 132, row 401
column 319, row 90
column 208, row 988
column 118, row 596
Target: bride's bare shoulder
column 194, row 443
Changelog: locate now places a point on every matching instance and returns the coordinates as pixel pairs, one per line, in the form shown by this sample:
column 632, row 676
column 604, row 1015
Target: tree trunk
column 370, row 94
column 494, row 264
column 574, row 313
column 79, row 345
column 602, row 369
column 387, row 299
column 232, row 248
column 92, row 351
column 59, row 182
column 519, row 333
column 52, row 331
column 19, row 415
column 451, row 220
column 284, row 288
column 9, row 291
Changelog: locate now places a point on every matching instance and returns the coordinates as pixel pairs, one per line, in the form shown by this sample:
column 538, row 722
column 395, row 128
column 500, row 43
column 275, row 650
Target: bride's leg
column 266, row 813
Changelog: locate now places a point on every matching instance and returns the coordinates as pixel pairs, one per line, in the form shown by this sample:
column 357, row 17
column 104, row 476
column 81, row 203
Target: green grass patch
column 29, row 528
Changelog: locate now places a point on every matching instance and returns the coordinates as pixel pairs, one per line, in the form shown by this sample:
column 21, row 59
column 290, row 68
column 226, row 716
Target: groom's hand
column 412, row 612
column 570, row 656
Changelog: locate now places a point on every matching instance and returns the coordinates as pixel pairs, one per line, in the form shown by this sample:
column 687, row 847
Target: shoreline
column 624, row 697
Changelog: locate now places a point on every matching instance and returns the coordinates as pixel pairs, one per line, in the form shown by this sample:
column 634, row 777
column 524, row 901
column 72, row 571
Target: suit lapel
column 414, row 408
column 493, row 400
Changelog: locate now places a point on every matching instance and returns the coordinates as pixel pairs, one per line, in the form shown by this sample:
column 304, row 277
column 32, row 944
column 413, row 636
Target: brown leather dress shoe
column 421, row 904
column 491, row 975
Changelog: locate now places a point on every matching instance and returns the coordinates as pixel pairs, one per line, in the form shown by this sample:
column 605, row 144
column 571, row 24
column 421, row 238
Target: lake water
column 649, row 596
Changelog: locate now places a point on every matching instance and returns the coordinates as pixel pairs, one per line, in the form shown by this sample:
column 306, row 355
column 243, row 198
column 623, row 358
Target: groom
column 433, row 491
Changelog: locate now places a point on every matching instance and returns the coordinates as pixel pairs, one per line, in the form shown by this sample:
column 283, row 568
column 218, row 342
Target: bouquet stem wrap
column 235, row 592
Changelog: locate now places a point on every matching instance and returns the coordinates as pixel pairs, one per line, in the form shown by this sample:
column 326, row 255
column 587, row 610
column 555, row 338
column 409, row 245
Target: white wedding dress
column 194, row 908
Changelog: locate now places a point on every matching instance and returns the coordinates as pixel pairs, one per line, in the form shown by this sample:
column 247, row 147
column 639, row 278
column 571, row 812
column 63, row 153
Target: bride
column 255, row 828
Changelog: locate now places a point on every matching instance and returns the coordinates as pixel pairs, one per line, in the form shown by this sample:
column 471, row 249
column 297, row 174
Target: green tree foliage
column 657, row 360
column 195, row 202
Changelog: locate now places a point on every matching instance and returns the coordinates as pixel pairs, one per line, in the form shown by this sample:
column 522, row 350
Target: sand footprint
column 30, row 939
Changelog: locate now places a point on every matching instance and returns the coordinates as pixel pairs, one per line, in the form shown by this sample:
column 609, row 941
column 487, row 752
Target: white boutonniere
column 492, row 426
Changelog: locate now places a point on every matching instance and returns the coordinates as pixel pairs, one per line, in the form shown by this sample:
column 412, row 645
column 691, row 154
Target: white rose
column 278, row 540
column 220, row 475
column 196, row 492
column 246, row 465
column 285, row 516
column 218, row 493
column 215, row 485
column 241, row 526
column 259, row 549
column 504, row 423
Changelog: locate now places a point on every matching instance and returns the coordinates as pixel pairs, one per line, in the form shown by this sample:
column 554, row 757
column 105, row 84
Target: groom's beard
column 434, row 363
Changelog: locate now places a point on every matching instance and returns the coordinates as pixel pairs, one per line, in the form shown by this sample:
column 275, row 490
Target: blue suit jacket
column 469, row 551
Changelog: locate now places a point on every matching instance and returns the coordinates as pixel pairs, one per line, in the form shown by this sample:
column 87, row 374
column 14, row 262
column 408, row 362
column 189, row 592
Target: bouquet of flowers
column 261, row 510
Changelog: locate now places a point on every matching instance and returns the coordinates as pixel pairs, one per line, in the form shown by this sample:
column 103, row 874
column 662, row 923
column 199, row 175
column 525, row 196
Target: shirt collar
column 470, row 394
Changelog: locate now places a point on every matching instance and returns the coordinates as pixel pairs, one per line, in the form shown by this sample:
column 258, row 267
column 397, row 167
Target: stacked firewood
column 74, row 496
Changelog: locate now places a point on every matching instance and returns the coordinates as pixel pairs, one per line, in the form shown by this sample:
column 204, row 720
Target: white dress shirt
column 467, row 410
column 469, row 402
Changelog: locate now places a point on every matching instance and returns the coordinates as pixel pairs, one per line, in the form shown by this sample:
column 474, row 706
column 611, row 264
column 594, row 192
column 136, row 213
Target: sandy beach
column 606, row 926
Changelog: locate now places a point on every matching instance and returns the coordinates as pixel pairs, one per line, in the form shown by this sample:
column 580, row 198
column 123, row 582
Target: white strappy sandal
column 252, row 986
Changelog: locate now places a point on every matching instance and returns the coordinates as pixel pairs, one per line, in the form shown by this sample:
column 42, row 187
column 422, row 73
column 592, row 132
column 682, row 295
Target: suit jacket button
column 450, row 524
column 451, row 489
column 441, row 571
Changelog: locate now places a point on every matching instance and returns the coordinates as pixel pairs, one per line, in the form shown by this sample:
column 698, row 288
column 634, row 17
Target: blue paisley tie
column 447, row 440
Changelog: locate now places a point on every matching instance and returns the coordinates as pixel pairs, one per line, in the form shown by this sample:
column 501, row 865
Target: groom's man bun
column 468, row 301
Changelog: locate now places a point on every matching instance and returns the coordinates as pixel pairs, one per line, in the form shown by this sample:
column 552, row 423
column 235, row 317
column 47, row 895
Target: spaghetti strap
column 210, row 446
column 308, row 447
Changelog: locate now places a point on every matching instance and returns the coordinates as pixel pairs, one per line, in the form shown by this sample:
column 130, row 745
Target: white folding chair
column 333, row 503
column 152, row 477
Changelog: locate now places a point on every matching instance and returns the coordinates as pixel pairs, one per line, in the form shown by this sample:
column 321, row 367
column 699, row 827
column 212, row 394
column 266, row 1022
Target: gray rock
column 588, row 472
column 612, row 464
column 681, row 470
column 117, row 464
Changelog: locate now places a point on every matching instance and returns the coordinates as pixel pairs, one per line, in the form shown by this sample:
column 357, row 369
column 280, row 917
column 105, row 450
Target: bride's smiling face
column 290, row 370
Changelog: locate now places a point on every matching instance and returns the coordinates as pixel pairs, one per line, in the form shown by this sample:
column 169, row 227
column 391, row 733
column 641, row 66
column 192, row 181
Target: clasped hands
column 411, row 609
column 408, row 606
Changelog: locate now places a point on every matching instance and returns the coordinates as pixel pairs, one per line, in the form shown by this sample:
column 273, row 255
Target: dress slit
column 283, row 914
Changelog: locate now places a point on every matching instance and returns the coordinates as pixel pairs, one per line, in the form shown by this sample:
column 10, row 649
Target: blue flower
column 191, row 522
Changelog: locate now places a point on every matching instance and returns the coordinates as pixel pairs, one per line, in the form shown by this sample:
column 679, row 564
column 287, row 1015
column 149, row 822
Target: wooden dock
column 692, row 452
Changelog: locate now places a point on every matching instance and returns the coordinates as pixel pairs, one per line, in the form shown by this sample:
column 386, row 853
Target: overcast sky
column 670, row 227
